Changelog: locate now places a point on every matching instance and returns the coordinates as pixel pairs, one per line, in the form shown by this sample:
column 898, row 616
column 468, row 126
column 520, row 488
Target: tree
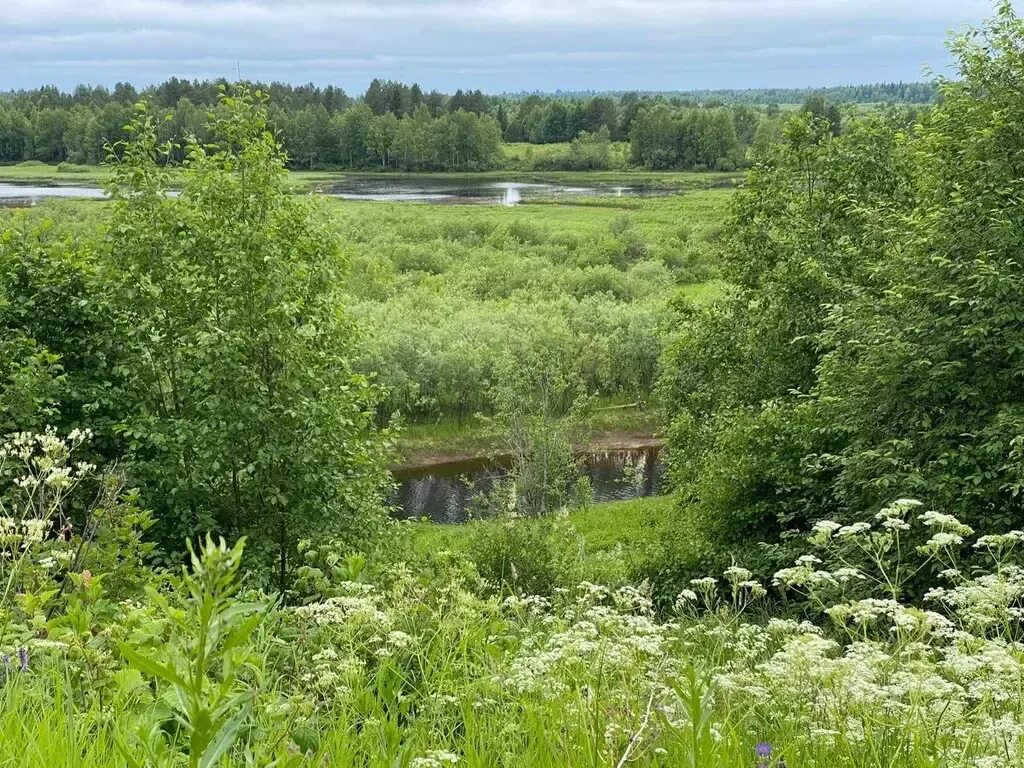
column 542, row 414
column 353, row 135
column 923, row 370
column 737, row 376
column 822, row 109
column 652, row 138
column 599, row 112
column 15, row 135
column 247, row 418
column 873, row 349
column 375, row 98
column 380, row 137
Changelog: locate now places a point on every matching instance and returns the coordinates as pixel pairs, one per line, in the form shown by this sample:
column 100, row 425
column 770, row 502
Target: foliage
column 543, row 416
column 873, row 344
column 446, row 292
column 696, row 139
column 205, row 666
column 201, row 336
column 520, row 556
column 395, row 125
column 737, row 371
column 429, row 671
column 60, row 336
column 49, row 537
column 248, row 419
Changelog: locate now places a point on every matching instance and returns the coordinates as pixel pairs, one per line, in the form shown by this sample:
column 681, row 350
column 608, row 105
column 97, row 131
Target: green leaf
column 150, row 666
column 224, row 739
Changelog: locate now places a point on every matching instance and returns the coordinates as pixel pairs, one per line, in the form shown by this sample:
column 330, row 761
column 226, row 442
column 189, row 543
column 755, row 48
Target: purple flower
column 23, row 657
column 763, row 751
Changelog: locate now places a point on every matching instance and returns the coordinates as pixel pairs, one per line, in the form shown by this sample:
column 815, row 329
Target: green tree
column 247, row 418
column 922, row 376
column 873, row 348
column 738, row 374
column 380, row 137
column 353, row 135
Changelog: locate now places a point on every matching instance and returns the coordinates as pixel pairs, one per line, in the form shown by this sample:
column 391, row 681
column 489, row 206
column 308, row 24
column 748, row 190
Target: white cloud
column 493, row 44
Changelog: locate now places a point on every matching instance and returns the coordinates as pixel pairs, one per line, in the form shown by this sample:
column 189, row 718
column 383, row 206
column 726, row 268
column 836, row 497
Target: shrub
column 526, row 556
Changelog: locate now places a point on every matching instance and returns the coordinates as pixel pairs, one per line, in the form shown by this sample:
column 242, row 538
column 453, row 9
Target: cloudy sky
column 495, row 45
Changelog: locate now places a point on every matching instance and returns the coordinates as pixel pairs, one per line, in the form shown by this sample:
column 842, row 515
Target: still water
column 386, row 190
column 440, row 191
column 442, row 492
column 23, row 195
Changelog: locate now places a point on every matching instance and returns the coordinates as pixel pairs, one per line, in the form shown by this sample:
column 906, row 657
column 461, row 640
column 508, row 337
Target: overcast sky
column 494, row 45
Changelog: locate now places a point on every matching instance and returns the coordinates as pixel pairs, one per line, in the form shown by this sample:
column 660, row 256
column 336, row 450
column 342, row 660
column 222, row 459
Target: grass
column 604, row 527
column 33, row 170
column 411, row 667
column 425, row 441
column 447, row 438
column 702, row 293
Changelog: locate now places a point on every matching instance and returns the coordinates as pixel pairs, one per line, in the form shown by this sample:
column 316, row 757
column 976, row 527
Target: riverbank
column 446, row 441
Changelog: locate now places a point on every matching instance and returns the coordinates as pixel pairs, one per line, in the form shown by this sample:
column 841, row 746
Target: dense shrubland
column 448, row 294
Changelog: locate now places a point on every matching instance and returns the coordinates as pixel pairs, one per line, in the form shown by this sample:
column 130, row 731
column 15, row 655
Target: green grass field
column 626, row 527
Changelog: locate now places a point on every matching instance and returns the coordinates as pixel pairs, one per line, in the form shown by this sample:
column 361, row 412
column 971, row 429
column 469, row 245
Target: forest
column 395, row 126
column 208, row 375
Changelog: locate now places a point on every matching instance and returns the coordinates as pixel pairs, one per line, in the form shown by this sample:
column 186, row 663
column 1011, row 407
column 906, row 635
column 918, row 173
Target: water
column 23, row 195
column 382, row 189
column 441, row 191
column 442, row 492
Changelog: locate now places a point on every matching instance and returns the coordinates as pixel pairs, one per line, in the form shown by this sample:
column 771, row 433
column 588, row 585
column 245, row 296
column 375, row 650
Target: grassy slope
column 604, row 527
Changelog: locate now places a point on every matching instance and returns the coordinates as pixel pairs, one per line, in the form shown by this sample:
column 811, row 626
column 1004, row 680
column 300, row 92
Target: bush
column 526, row 556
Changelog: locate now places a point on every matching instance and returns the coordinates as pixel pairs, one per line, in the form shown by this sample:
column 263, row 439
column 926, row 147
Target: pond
column 469, row 190
column 23, row 195
column 442, row 492
column 409, row 189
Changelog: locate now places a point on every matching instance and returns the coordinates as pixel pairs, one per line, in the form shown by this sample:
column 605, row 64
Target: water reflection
column 24, row 195
column 393, row 190
column 507, row 193
column 443, row 493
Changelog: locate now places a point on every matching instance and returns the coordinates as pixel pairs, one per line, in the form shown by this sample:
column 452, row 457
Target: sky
column 494, row 45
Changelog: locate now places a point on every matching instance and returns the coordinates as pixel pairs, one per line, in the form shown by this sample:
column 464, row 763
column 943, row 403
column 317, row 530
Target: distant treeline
column 398, row 126
column 871, row 93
